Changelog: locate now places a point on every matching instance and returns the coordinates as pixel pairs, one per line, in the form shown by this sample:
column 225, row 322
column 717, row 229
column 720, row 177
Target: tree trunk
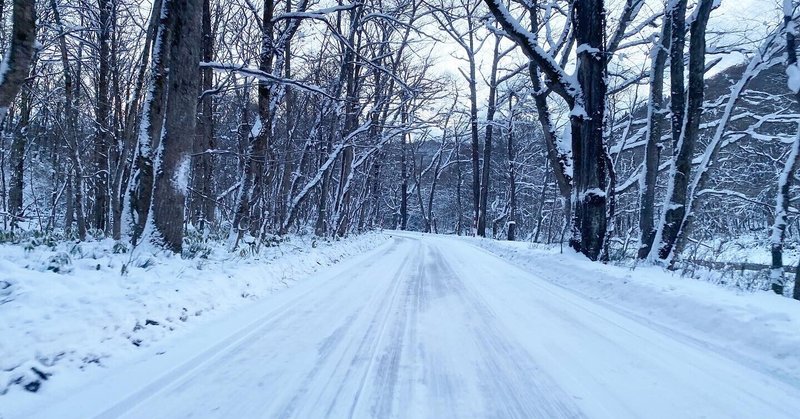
column 675, row 207
column 459, row 181
column 512, row 174
column 789, row 169
column 655, row 120
column 202, row 200
column 256, row 157
column 172, row 178
column 473, row 126
column 103, row 128
column 588, row 147
column 288, row 166
column 141, row 191
column 781, row 212
column 321, row 226
column 540, row 210
column 17, row 164
column 403, row 174
column 17, row 61
column 491, row 108
column 131, row 133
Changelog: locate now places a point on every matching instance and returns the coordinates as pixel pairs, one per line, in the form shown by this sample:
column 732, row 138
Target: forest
column 642, row 131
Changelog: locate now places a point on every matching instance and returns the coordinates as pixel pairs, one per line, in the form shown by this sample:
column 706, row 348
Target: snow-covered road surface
column 430, row 327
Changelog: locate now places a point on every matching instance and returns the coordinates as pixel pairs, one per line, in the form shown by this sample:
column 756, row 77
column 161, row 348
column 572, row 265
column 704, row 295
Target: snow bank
column 66, row 307
column 759, row 329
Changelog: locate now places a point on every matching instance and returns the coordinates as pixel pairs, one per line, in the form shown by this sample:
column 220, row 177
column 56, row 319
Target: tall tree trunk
column 540, row 210
column 131, row 132
column 352, row 86
column 202, row 204
column 777, row 280
column 790, row 166
column 245, row 216
column 491, row 108
column 291, row 121
column 17, row 163
column 459, row 181
column 141, row 190
column 404, row 173
column 512, row 174
column 648, row 178
column 263, row 141
column 321, row 226
column 588, row 147
column 172, row 178
column 473, row 130
column 672, row 222
column 100, row 163
column 17, row 61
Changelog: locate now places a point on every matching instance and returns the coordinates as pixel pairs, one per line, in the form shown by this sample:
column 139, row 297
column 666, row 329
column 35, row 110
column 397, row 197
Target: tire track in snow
column 523, row 388
column 242, row 338
column 386, row 375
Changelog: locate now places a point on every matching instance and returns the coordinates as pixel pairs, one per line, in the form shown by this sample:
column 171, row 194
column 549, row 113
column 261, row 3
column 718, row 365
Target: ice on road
column 432, row 327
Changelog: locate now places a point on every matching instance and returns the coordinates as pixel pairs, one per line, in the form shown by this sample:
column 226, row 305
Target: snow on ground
column 428, row 327
column 67, row 307
column 760, row 329
column 415, row 326
column 754, row 248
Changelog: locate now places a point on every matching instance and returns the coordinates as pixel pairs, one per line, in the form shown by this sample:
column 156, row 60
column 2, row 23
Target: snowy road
column 431, row 328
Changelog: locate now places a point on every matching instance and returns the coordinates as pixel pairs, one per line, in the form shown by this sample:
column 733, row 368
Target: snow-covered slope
column 760, row 329
column 67, row 306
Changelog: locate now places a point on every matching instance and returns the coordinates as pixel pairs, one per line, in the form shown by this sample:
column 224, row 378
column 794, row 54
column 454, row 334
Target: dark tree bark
column 512, row 174
column 202, row 203
column 130, row 131
column 17, row 61
column 588, row 147
column 321, row 225
column 473, row 127
column 790, row 168
column 246, row 217
column 459, row 227
column 100, row 163
column 677, row 19
column 403, row 174
column 18, row 144
column 540, row 210
column 351, row 70
column 654, row 129
column 261, row 161
column 172, row 179
column 141, row 191
column 491, row 108
column 288, row 166
column 675, row 210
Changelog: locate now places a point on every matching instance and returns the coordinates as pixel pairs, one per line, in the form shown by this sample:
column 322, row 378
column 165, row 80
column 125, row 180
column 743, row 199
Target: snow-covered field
column 758, row 328
column 68, row 307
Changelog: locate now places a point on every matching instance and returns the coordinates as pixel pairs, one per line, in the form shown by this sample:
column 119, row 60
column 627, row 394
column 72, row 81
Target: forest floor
column 405, row 325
